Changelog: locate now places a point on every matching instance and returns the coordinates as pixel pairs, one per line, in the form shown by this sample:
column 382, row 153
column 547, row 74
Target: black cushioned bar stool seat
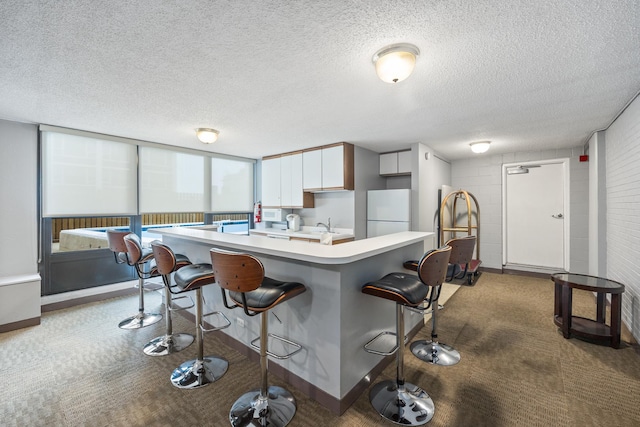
column 242, row 275
column 432, row 351
column 203, row 370
column 396, row 400
column 116, row 239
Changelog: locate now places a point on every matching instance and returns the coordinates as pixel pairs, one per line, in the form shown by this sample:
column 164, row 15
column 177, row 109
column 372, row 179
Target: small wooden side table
column 582, row 327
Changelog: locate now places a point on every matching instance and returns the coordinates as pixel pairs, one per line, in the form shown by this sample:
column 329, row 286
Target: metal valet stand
column 432, row 351
column 463, row 223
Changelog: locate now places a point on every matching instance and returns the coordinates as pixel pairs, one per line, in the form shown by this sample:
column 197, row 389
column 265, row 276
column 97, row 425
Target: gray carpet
column 79, row 369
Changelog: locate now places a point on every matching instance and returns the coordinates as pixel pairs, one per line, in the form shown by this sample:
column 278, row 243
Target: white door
column 536, row 215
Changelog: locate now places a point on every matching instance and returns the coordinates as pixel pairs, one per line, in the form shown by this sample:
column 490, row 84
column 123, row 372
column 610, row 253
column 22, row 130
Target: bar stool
column 203, row 370
column 121, row 254
column 396, row 400
column 461, row 256
column 242, row 275
column 432, row 351
column 169, row 342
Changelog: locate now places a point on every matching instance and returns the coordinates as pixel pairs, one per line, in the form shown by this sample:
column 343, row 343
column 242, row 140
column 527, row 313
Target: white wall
column 482, row 176
column 597, row 205
column 428, row 176
column 623, row 210
column 19, row 280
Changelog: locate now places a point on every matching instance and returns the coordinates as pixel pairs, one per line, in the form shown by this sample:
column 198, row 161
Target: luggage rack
column 457, row 225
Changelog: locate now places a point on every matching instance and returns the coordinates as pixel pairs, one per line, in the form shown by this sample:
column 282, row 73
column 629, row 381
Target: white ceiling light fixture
column 395, row 62
column 480, row 146
column 207, row 135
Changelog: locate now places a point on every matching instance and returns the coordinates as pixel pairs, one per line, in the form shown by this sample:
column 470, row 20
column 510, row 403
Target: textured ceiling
column 276, row 76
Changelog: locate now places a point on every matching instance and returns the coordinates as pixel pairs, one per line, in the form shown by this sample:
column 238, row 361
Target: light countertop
column 299, row 250
column 311, row 233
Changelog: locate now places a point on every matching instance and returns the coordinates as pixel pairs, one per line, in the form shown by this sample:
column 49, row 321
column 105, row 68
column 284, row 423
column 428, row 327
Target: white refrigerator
column 388, row 211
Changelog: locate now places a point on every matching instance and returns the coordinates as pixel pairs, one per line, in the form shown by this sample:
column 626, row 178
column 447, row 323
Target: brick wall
column 622, row 142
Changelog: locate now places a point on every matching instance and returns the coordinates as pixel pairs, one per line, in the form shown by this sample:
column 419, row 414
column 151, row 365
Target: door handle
column 559, row 216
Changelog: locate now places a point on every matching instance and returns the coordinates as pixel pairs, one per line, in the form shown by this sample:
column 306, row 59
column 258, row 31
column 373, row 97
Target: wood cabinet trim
column 306, row 150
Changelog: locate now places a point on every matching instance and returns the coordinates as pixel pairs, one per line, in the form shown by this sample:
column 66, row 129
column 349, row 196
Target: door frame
column 566, row 170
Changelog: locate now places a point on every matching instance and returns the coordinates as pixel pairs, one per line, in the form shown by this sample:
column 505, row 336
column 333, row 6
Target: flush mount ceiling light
column 207, row 136
column 395, row 63
column 480, row 146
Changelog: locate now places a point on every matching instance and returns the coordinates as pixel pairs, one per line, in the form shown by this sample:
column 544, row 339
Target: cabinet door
column 271, row 182
column 333, row 167
column 312, row 170
column 285, row 180
column 404, row 162
column 388, row 163
column 296, row 180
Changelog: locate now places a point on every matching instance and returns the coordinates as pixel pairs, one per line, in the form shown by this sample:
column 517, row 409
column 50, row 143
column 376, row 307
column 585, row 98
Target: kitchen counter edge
column 303, row 251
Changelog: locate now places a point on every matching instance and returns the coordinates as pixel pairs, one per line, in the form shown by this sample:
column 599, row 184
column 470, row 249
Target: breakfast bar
column 332, row 320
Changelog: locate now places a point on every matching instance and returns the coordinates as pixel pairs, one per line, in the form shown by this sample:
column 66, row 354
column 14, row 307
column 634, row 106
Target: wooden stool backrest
column 462, row 249
column 116, row 240
column 432, row 268
column 164, row 256
column 134, row 248
column 236, row 272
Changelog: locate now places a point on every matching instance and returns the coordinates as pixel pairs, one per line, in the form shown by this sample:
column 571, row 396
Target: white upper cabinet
column 291, row 180
column 271, row 182
column 282, row 182
column 396, row 163
column 333, row 167
column 388, row 163
column 404, row 161
column 328, row 168
column 312, row 169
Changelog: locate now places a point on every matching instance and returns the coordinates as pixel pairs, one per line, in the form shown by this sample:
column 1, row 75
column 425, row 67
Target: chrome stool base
column 251, row 410
column 409, row 405
column 199, row 373
column 435, row 353
column 140, row 320
column 168, row 344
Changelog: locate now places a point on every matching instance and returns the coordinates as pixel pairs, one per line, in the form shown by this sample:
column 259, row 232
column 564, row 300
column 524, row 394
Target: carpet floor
column 79, row 369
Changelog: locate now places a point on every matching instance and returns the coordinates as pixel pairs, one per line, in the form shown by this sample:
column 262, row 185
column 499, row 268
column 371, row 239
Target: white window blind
column 171, row 181
column 87, row 176
column 231, row 185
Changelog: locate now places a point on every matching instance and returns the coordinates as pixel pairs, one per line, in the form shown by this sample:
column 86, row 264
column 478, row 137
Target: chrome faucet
column 327, row 226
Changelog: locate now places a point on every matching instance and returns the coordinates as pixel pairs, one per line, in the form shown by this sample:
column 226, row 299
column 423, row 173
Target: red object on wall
column 257, row 212
column 584, row 158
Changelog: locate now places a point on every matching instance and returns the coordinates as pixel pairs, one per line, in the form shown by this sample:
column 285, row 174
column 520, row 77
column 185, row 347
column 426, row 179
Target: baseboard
column 490, row 270
column 59, row 305
column 20, row 324
column 535, row 274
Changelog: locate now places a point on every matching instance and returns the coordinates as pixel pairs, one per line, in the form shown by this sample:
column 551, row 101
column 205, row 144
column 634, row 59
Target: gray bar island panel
column 332, row 320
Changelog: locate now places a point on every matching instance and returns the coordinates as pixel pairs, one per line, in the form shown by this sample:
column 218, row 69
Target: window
column 231, row 185
column 171, row 181
column 87, row 176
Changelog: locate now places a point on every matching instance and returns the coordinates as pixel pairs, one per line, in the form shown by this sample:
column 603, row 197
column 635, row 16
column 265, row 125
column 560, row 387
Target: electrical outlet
column 240, row 322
